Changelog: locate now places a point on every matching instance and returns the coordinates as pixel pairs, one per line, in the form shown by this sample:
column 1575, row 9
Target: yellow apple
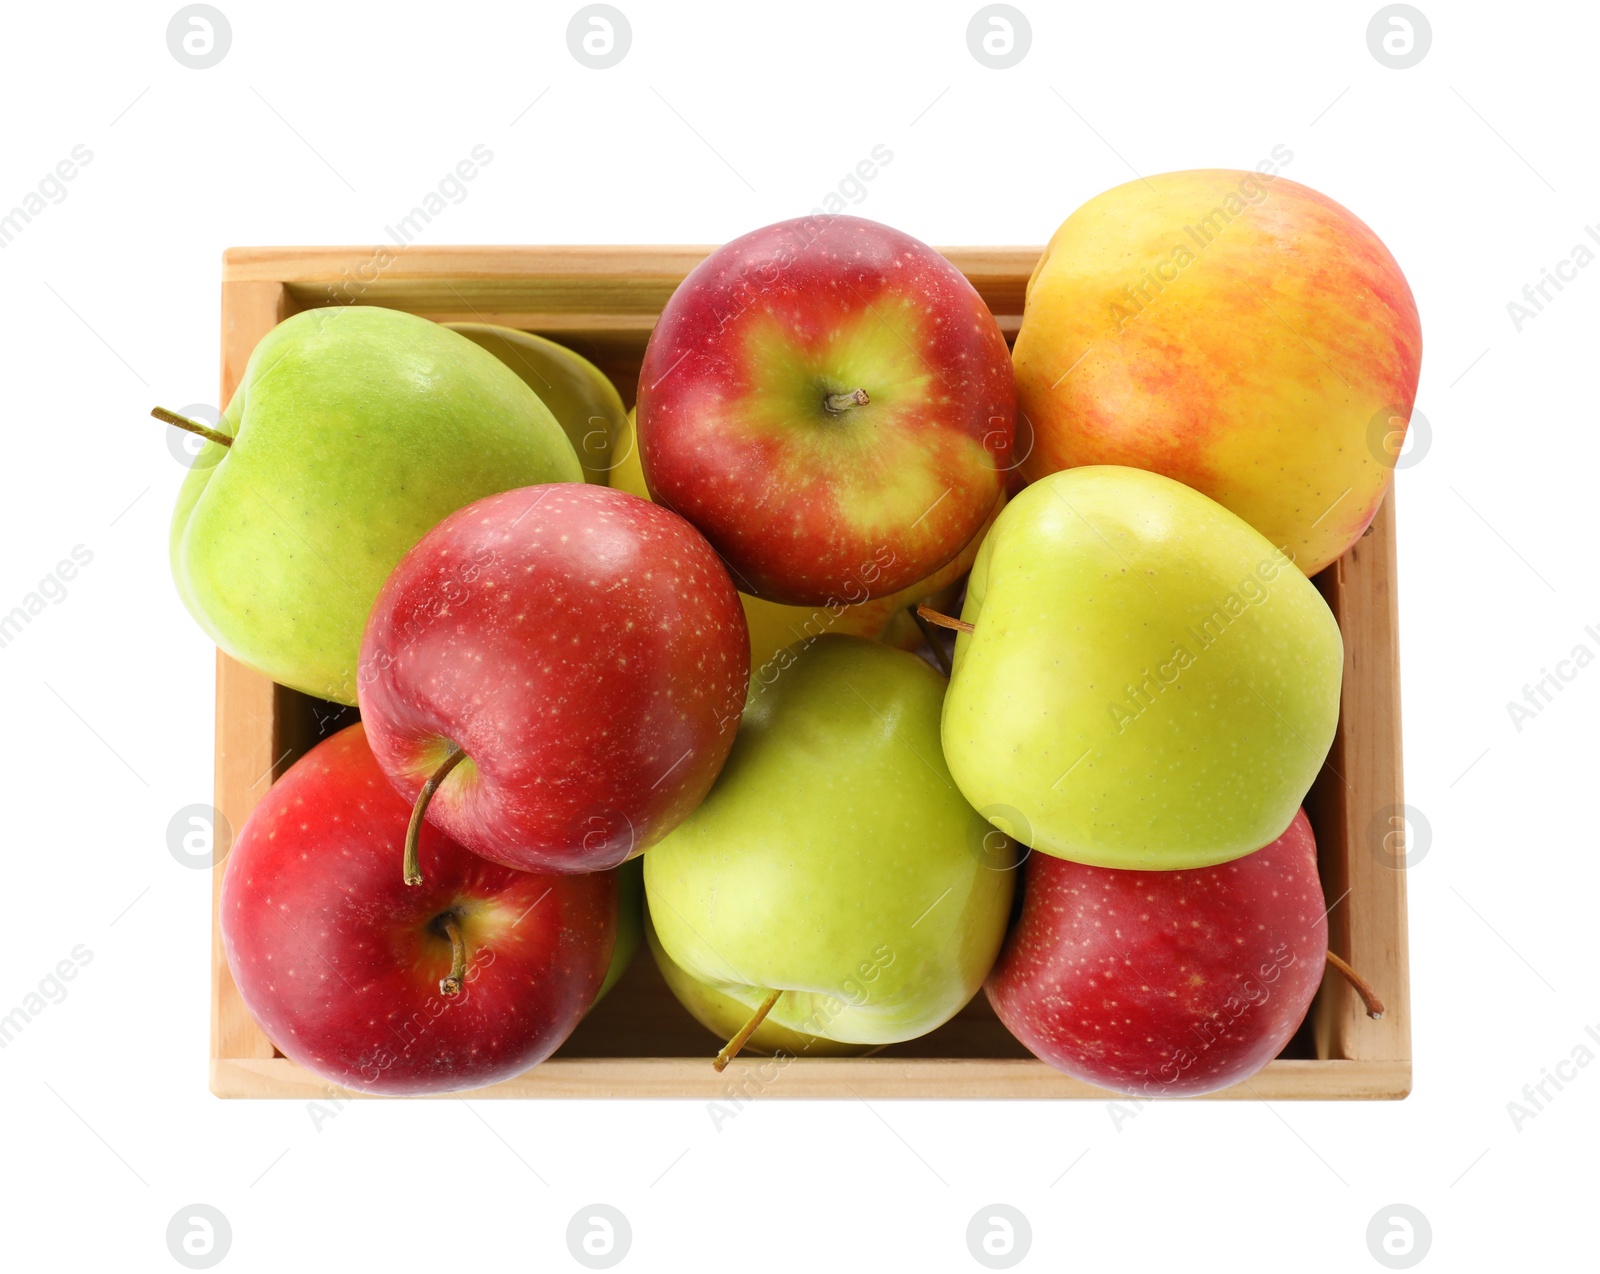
column 1243, row 334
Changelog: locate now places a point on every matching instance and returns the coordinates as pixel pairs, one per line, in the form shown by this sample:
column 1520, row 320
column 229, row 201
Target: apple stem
column 943, row 620
column 413, row 869
column 450, row 984
column 1359, row 984
column 837, row 403
column 731, row 1049
column 193, row 426
column 932, row 640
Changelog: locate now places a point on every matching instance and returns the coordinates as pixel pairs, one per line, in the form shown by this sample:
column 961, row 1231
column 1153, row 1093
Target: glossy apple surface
column 723, row 1015
column 830, row 401
column 1149, row 683
column 340, row 962
column 1165, row 983
column 579, row 395
column 1243, row 334
column 835, row 860
column 355, row 430
column 585, row 650
column 774, row 627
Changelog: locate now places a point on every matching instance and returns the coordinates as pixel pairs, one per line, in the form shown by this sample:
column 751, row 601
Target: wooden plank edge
column 242, row 769
column 245, row 708
column 504, row 262
column 828, row 1079
column 1372, row 930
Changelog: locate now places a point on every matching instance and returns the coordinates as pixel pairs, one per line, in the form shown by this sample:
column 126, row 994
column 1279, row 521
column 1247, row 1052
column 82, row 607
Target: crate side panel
column 246, row 708
column 834, row 1079
column 1358, row 791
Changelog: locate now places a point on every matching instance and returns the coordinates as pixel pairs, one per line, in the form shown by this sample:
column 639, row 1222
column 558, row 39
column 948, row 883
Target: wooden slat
column 839, row 1079
column 243, row 774
column 549, row 289
column 1360, row 782
column 247, row 712
column 500, row 265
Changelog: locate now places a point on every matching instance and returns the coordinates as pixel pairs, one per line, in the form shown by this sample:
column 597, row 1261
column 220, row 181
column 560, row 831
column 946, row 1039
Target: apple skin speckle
column 1165, row 983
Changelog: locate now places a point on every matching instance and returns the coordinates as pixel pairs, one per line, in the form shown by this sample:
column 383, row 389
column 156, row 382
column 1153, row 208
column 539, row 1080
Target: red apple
column 1165, row 983
column 585, row 652
column 831, row 402
column 372, row 985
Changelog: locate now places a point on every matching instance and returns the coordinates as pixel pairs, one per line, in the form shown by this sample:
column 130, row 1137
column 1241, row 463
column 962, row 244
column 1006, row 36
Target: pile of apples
column 684, row 675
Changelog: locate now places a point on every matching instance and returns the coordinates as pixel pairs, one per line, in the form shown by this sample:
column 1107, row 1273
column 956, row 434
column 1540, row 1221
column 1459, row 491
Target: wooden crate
column 603, row 301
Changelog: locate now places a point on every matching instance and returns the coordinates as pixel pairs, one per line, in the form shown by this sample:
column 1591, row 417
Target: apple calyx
column 730, row 1050
column 450, row 984
column 191, row 426
column 943, row 620
column 1359, row 984
column 413, row 869
column 838, row 403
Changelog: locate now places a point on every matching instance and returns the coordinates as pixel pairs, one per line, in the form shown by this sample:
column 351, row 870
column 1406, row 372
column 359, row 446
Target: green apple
column 579, row 395
column 630, row 923
column 354, row 431
column 1148, row 682
column 835, row 861
column 722, row 1015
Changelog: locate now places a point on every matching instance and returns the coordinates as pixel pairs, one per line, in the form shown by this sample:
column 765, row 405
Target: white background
column 325, row 123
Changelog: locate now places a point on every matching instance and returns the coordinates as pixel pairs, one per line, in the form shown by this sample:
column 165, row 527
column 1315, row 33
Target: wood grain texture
column 640, row 1042
column 249, row 752
column 871, row 1079
column 1356, row 802
column 552, row 289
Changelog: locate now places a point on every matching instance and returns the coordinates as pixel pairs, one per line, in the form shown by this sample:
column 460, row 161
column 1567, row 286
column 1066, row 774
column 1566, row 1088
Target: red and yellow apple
column 775, row 627
column 1237, row 332
column 830, row 402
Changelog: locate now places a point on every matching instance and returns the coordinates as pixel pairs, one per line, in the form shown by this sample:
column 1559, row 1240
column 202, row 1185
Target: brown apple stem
column 450, row 984
column 837, row 403
column 413, row 869
column 1359, row 984
column 943, row 620
column 193, row 426
column 731, row 1049
column 932, row 640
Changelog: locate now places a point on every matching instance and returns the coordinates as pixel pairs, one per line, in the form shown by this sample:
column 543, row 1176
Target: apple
column 1165, row 983
column 471, row 979
column 579, row 395
column 835, row 863
column 564, row 667
column 774, row 627
column 352, row 432
column 1241, row 333
column 830, row 402
column 723, row 1016
column 1148, row 683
